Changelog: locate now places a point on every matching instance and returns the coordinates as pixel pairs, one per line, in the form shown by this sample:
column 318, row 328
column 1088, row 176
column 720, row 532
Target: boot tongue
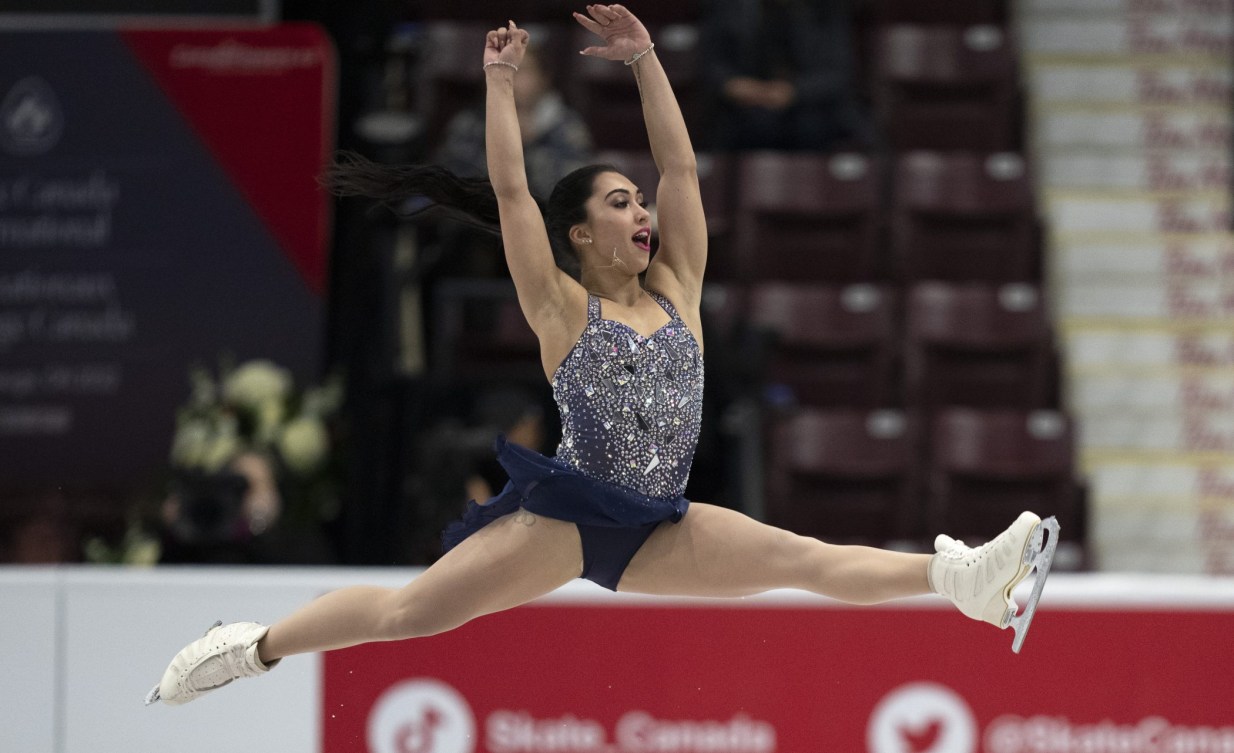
column 944, row 543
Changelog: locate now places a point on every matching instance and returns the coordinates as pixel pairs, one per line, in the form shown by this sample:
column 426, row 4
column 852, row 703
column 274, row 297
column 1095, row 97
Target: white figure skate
column 980, row 581
column 225, row 653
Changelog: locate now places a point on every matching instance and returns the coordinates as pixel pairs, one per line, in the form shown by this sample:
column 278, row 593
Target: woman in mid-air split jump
column 626, row 366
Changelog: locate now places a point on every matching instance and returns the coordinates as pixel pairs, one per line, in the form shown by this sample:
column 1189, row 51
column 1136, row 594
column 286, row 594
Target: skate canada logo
column 922, row 717
column 428, row 716
column 421, row 716
column 31, row 120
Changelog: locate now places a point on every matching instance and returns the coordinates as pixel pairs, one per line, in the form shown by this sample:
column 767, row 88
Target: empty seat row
column 877, row 476
column 937, row 344
column 853, row 217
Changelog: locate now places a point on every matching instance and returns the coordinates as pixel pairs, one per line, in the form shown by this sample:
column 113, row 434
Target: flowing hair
column 471, row 201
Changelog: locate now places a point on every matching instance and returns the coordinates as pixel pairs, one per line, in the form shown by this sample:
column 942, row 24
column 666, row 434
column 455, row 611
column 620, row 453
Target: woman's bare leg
column 714, row 551
column 508, row 562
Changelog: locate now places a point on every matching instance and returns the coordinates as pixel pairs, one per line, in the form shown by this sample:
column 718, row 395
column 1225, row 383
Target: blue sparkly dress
column 631, row 408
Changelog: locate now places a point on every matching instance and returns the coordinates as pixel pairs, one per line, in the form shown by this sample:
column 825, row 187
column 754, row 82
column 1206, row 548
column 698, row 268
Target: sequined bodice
column 630, row 405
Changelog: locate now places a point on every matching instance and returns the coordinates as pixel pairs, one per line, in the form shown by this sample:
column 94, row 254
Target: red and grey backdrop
column 781, row 677
column 158, row 207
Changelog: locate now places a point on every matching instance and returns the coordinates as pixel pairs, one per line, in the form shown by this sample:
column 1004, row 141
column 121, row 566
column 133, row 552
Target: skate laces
column 956, row 550
column 952, row 549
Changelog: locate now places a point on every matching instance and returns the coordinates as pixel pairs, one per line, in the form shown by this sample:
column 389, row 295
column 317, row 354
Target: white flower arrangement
column 255, row 408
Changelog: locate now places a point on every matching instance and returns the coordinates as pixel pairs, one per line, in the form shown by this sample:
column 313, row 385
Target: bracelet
column 638, row 55
column 500, row 62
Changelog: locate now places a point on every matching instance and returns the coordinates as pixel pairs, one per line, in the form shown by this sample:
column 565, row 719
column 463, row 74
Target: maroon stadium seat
column 843, row 475
column 808, row 217
column 947, row 87
column 985, row 467
column 978, row 345
column 964, row 216
column 831, row 345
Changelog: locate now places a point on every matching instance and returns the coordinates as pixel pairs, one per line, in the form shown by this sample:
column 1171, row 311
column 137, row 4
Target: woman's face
column 618, row 225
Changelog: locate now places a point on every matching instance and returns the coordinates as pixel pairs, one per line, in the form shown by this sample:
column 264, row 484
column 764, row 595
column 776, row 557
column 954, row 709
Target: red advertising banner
column 792, row 678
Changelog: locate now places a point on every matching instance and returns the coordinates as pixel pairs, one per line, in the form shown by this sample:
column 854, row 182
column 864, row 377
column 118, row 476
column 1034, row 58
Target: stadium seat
column 978, row 345
column 808, row 217
column 843, row 476
column 964, row 216
column 830, row 345
column 947, row 87
column 480, row 334
column 985, row 467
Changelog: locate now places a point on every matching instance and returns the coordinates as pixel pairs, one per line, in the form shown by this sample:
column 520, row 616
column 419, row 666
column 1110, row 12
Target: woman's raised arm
column 679, row 207
column 542, row 286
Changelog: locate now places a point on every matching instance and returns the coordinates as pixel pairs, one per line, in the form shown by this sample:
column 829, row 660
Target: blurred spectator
column 555, row 142
column 779, row 75
column 236, row 516
column 555, row 139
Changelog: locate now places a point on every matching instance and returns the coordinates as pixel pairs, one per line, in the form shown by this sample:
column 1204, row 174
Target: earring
column 586, row 240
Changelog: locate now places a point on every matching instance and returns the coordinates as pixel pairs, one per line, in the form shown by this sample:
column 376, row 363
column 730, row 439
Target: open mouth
column 642, row 239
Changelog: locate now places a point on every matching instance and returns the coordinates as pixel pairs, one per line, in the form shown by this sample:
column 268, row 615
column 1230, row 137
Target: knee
column 404, row 617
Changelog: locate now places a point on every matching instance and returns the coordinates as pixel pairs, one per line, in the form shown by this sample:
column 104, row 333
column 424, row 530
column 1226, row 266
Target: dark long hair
column 468, row 200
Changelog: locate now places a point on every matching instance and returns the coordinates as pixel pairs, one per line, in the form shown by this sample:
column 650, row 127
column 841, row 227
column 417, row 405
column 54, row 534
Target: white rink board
column 29, row 641
column 123, row 625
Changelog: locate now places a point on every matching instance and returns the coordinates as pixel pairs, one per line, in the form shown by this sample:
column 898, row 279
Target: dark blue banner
column 133, row 244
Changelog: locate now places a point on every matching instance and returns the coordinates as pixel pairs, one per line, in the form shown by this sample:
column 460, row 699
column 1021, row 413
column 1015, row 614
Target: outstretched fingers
column 587, row 23
column 604, row 13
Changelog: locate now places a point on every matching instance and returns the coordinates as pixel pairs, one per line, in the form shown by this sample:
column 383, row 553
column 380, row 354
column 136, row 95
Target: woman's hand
column 623, row 34
column 505, row 45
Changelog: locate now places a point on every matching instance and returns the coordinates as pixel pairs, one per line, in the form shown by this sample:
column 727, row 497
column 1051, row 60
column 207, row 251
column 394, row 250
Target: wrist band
column 638, row 55
column 500, row 62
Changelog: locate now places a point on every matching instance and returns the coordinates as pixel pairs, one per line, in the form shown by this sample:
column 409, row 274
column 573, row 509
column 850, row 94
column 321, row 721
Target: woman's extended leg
column 714, row 551
column 508, row 562
column 511, row 561
column 718, row 552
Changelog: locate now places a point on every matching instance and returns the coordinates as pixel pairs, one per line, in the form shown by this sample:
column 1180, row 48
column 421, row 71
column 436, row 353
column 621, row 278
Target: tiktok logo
column 421, row 716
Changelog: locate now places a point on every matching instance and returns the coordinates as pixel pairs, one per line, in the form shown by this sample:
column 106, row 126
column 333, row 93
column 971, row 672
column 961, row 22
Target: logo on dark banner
column 31, row 120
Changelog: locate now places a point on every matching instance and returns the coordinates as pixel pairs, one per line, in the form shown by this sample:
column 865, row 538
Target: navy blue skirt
column 544, row 486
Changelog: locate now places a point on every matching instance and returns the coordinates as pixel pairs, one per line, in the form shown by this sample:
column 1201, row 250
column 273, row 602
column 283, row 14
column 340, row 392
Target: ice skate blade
column 1039, row 558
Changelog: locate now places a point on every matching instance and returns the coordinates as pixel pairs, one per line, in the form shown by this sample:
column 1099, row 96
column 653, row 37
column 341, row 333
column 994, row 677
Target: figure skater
column 626, row 366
